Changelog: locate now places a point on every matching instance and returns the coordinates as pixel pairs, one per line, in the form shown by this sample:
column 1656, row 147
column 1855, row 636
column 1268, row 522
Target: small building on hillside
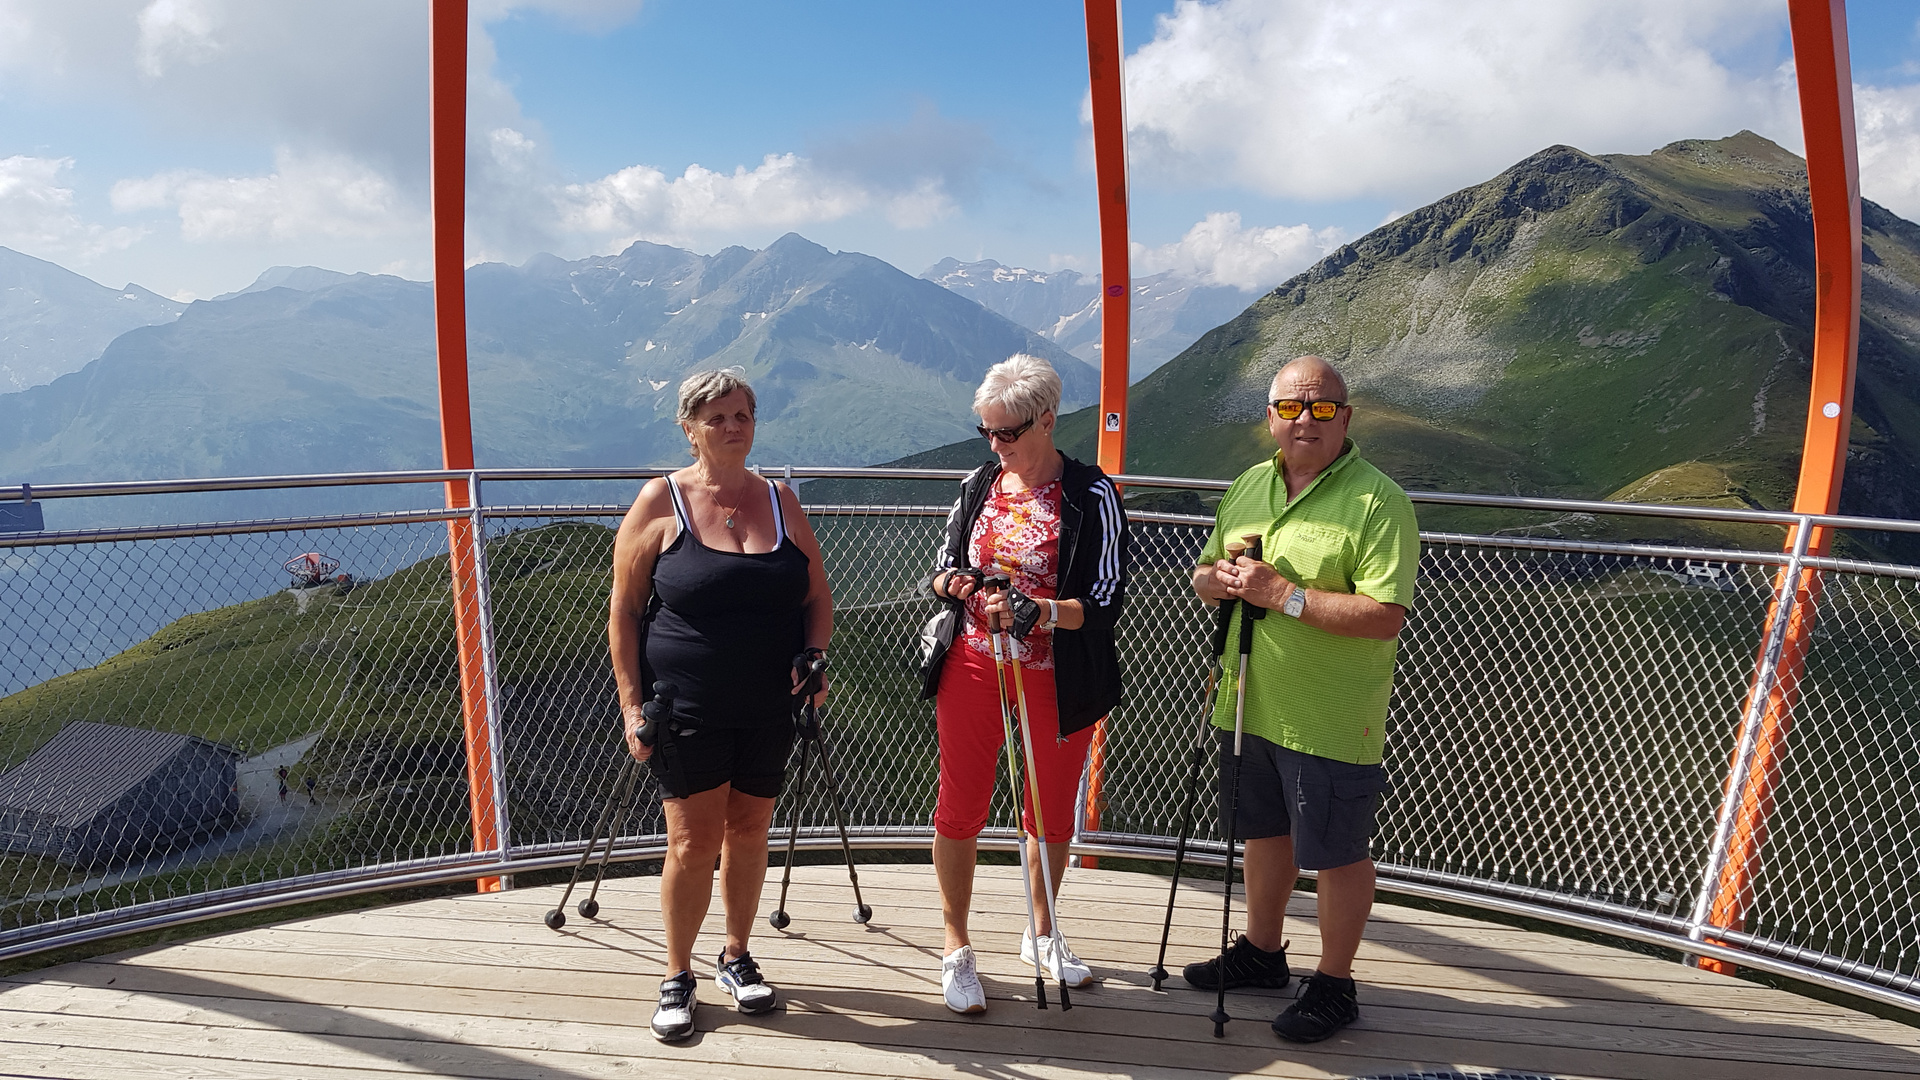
column 100, row 794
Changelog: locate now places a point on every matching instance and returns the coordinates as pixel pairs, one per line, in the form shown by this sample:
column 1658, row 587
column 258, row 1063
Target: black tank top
column 724, row 626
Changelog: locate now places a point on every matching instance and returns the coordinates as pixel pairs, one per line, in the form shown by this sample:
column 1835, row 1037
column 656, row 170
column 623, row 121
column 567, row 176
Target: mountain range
column 572, row 363
column 1170, row 311
column 53, row 321
column 1633, row 327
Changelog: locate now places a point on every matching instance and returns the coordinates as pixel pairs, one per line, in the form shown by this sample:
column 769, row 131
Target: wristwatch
column 1053, row 615
column 1296, row 602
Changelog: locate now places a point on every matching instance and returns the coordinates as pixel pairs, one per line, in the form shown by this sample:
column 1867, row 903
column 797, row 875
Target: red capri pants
column 968, row 715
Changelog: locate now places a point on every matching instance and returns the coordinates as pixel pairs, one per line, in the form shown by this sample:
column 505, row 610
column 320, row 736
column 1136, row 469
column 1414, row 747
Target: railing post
column 490, row 676
column 1733, row 856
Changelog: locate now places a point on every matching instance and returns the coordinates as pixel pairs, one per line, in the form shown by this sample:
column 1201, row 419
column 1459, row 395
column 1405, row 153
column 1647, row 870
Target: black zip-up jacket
column 1093, row 570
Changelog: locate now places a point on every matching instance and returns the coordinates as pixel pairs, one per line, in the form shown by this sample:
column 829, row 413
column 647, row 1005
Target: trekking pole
column 1001, row 581
column 1217, row 647
column 1040, row 829
column 778, row 918
column 1249, row 614
column 807, row 723
column 619, row 802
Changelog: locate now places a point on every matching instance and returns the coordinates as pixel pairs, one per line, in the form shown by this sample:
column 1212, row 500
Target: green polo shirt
column 1353, row 531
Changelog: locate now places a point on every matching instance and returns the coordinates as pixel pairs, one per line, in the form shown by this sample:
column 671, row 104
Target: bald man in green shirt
column 1341, row 548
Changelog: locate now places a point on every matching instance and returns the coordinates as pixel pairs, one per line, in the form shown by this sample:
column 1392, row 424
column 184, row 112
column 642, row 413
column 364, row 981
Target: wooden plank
column 41, row 1062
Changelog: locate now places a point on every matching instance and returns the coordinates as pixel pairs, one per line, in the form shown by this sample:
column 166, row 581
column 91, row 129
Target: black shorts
column 1327, row 806
column 752, row 759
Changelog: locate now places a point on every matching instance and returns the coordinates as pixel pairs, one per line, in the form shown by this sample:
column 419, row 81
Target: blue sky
column 189, row 144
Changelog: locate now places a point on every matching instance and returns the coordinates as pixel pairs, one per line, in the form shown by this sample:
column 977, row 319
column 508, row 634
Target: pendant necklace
column 736, row 504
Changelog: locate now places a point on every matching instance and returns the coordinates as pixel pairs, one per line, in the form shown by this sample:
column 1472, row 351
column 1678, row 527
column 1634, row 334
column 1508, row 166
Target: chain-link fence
column 198, row 720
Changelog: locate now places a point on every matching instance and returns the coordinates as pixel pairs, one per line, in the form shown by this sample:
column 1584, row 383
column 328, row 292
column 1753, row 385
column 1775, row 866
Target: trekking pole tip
column 862, row 913
column 779, row 919
column 1040, row 991
column 1158, row 974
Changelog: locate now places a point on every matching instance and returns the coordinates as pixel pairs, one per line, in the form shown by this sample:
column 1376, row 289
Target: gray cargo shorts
column 1327, row 806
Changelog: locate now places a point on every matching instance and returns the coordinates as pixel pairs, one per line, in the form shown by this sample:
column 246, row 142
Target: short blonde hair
column 1021, row 384
column 702, row 387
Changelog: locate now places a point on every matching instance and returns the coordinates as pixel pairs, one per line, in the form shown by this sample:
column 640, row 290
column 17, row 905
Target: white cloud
column 1887, row 126
column 1219, row 251
column 175, row 30
column 37, row 214
column 305, row 197
column 641, row 202
column 1385, row 98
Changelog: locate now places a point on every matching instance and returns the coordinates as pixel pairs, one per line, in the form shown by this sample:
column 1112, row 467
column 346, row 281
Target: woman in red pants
column 1056, row 528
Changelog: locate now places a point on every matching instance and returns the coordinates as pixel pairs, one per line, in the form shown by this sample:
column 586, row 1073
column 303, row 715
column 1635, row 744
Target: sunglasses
column 1291, row 408
column 1008, row 434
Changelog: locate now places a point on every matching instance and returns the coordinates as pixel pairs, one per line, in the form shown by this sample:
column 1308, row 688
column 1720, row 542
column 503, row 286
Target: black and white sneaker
column 1245, row 965
column 1325, row 1005
column 740, row 977
column 673, row 1016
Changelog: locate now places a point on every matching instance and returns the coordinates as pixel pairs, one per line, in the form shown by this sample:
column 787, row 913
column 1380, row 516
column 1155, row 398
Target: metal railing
column 1681, row 742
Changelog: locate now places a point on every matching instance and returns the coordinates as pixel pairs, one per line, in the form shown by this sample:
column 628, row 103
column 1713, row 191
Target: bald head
column 1308, row 370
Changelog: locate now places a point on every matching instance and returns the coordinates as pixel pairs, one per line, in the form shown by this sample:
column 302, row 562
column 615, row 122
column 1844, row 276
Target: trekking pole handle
column 1252, row 544
column 657, row 712
column 1253, row 612
column 810, row 665
column 995, row 581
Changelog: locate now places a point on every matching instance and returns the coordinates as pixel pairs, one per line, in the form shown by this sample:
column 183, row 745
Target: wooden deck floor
column 477, row 987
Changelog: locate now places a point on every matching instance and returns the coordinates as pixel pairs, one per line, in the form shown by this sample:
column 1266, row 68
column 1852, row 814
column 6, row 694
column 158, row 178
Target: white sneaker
column 960, row 982
column 673, row 1016
column 740, row 978
column 1057, row 958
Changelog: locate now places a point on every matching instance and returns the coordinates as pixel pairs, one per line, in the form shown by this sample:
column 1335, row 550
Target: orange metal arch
column 448, row 82
column 1110, row 178
column 1833, row 185
column 1107, row 90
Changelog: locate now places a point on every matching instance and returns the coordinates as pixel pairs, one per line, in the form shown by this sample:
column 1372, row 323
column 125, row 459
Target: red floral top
column 1018, row 535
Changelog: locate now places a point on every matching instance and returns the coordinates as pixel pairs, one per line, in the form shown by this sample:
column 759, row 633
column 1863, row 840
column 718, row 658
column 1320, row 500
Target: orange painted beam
column 1107, row 90
column 1110, row 180
column 1833, row 185
column 447, row 79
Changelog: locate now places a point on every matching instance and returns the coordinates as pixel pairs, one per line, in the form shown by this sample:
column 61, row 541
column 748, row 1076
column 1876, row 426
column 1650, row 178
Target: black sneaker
column 673, row 1016
column 1246, row 965
column 1325, row 1005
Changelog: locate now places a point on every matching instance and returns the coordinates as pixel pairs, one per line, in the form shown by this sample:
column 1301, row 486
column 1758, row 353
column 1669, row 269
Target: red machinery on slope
column 313, row 569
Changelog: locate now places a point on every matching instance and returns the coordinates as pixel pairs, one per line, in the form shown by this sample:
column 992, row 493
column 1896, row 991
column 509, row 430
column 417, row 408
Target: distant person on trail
column 1341, row 548
column 281, row 772
column 718, row 587
column 1056, row 528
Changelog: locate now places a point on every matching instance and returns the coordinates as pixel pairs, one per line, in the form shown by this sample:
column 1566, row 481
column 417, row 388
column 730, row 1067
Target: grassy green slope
column 1576, row 326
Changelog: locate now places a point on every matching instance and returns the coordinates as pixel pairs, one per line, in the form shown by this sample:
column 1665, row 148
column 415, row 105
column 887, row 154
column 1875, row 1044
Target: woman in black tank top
column 717, row 585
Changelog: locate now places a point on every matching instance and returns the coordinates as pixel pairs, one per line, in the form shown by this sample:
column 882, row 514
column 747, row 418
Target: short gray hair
column 1021, row 384
column 702, row 387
